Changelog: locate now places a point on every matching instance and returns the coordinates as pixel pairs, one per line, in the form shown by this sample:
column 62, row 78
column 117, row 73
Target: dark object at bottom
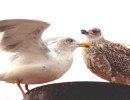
column 80, row 91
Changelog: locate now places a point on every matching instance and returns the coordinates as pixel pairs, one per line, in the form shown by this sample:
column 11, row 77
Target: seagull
column 106, row 59
column 30, row 60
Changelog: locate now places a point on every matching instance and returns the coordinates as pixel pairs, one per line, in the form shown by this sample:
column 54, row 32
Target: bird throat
column 97, row 41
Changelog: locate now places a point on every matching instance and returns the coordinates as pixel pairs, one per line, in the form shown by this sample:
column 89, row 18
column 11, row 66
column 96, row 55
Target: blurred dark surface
column 80, row 91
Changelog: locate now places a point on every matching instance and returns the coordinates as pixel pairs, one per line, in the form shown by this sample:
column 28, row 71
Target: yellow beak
column 87, row 45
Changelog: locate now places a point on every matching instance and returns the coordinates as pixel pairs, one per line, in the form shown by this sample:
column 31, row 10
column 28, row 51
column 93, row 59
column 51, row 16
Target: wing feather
column 119, row 57
column 21, row 34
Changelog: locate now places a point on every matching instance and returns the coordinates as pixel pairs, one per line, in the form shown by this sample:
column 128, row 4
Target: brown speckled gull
column 106, row 59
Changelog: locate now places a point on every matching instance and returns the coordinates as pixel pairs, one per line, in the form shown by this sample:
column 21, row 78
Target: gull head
column 69, row 44
column 93, row 34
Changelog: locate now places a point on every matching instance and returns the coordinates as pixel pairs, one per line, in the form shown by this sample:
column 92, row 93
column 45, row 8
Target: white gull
column 29, row 58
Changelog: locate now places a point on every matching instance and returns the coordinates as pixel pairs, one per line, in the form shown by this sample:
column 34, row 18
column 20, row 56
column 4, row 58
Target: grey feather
column 21, row 34
column 51, row 40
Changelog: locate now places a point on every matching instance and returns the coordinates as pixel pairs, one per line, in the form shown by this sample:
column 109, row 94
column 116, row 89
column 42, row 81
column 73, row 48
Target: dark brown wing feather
column 118, row 56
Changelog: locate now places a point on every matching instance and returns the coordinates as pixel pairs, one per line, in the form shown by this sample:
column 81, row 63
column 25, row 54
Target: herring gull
column 30, row 59
column 106, row 59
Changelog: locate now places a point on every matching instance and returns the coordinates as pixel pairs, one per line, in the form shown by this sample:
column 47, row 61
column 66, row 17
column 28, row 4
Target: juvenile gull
column 30, row 59
column 106, row 59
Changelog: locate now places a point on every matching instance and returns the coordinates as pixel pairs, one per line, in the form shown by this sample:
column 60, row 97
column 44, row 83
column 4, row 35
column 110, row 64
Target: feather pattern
column 108, row 60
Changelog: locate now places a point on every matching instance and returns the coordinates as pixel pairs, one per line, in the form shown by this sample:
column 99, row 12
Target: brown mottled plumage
column 108, row 60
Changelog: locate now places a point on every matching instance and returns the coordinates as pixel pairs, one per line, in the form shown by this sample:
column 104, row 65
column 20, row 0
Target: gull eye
column 95, row 31
column 69, row 40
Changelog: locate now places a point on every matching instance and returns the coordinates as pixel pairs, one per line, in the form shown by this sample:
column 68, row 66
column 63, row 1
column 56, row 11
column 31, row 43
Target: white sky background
column 67, row 18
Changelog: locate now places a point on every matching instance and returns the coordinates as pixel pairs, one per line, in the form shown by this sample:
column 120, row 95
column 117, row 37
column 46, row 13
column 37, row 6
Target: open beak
column 87, row 45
